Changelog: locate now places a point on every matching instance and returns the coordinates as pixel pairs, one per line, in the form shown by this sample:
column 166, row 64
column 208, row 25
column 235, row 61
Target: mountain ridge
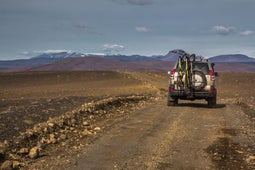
column 171, row 56
column 99, row 63
column 232, row 58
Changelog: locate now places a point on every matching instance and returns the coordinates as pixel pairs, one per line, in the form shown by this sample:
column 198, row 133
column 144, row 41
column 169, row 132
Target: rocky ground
column 30, row 101
column 65, row 130
column 78, row 118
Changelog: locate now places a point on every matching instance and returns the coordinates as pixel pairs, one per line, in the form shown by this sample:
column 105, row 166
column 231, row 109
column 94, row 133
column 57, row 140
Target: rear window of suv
column 201, row 67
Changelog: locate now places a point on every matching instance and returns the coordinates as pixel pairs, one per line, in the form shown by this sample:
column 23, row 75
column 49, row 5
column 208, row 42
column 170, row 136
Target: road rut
column 160, row 137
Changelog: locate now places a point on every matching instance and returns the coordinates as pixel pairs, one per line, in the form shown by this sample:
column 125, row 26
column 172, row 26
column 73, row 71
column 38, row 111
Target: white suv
column 192, row 79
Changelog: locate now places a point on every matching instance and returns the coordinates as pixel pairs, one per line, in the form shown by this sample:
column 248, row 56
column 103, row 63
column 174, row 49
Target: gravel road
column 151, row 135
column 189, row 136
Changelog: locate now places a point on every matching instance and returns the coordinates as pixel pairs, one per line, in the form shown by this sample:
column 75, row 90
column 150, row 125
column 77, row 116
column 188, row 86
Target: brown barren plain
column 119, row 120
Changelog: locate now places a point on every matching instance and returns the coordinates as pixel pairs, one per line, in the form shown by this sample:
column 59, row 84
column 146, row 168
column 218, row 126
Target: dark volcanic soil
column 19, row 115
column 119, row 120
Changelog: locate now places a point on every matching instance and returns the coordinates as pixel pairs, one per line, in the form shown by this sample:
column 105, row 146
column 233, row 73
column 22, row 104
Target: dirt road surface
column 189, row 136
column 154, row 136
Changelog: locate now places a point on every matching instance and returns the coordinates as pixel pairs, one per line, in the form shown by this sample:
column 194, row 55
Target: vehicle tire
column 212, row 101
column 198, row 80
column 172, row 101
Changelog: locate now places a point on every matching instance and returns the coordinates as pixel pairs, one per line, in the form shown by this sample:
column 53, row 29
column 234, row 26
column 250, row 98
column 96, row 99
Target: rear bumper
column 192, row 95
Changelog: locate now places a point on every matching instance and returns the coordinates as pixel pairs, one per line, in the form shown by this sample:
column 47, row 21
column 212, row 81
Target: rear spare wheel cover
column 198, row 80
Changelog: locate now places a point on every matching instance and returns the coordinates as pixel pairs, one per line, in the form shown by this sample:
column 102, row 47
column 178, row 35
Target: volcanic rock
column 34, row 153
column 7, row 165
column 24, row 151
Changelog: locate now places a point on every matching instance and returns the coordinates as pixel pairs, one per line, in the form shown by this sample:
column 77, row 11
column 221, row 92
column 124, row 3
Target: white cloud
column 58, row 51
column 142, row 29
column 221, row 30
column 53, row 51
column 33, row 53
column 113, row 48
column 98, row 54
column 25, row 53
column 247, row 33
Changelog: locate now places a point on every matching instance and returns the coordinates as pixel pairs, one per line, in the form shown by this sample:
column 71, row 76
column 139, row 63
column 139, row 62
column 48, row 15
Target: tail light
column 212, row 91
column 212, row 75
column 172, row 72
column 171, row 89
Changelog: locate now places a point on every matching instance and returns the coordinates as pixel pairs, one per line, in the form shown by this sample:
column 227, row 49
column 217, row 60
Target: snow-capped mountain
column 59, row 55
column 171, row 56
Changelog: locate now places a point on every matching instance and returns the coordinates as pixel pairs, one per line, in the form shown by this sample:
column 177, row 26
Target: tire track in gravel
column 156, row 142
column 180, row 143
column 157, row 137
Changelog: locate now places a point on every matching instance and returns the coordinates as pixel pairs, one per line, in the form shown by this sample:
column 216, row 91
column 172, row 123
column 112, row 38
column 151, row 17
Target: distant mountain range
column 232, row 58
column 78, row 61
column 101, row 63
column 170, row 56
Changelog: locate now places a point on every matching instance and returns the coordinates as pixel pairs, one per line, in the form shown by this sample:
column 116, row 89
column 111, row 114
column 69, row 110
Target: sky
column 145, row 27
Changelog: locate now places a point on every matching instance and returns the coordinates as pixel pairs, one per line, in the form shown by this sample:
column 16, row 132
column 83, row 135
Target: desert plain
column 120, row 120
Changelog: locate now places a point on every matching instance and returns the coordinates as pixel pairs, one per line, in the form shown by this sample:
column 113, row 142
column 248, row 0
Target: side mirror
column 213, row 64
column 216, row 74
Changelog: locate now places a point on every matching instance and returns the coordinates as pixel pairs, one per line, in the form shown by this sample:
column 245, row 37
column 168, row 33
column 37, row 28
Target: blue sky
column 145, row 27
